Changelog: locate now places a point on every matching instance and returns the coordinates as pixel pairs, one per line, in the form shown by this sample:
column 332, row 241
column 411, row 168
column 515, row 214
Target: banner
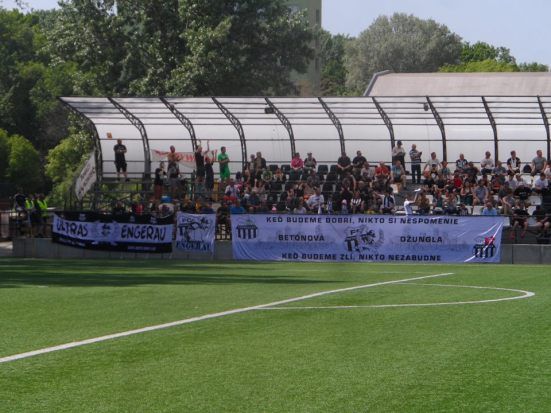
column 369, row 238
column 186, row 159
column 195, row 233
column 87, row 178
column 113, row 233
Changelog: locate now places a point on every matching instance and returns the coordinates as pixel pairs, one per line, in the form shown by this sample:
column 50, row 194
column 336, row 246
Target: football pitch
column 173, row 336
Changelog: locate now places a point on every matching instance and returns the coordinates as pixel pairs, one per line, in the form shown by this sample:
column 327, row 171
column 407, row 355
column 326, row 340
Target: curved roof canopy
column 279, row 126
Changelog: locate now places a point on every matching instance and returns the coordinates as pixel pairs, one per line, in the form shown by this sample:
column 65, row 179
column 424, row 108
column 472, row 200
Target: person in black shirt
column 200, row 163
column 120, row 159
column 344, row 165
column 158, row 182
column 359, row 160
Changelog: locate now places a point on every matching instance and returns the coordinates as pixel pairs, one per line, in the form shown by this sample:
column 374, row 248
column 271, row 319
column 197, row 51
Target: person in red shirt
column 296, row 163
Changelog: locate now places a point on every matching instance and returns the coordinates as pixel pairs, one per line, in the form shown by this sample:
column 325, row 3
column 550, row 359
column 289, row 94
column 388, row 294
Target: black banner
column 126, row 232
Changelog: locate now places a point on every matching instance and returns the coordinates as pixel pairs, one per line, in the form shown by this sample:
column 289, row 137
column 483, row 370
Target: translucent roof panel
column 274, row 126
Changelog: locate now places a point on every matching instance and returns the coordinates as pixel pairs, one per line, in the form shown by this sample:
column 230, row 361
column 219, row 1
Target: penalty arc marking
column 523, row 294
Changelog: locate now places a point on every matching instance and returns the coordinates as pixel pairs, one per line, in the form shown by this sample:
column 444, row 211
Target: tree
column 182, row 47
column 24, row 166
column 332, row 57
column 402, row 43
column 488, row 65
column 64, row 163
column 533, row 67
column 480, row 51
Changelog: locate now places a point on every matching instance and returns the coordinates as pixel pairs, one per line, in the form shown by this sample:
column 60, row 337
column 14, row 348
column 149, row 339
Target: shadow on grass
column 19, row 273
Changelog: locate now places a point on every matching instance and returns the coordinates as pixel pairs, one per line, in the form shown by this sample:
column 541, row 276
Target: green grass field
column 311, row 355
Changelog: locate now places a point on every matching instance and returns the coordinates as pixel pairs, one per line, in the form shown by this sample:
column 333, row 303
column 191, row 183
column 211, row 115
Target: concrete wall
column 45, row 248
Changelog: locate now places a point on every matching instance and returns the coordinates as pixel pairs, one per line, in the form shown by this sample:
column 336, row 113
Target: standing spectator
column 173, row 173
column 173, row 156
column 297, row 164
column 432, row 163
column 224, row 161
column 310, row 163
column 41, row 207
column 461, row 164
column 487, row 164
column 415, row 157
column 359, row 160
column 120, row 159
column 538, row 163
column 513, row 163
column 259, row 165
column 399, row 154
column 200, row 163
column 209, row 176
column 158, row 182
column 344, row 165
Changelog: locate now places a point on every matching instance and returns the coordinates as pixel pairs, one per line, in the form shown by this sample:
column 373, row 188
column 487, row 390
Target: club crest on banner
column 363, row 238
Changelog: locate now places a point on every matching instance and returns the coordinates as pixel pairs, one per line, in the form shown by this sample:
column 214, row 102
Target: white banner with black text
column 368, row 238
column 195, row 233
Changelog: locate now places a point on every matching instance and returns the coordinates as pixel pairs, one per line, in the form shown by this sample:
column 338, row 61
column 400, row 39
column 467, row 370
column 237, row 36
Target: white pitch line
column 525, row 294
column 81, row 343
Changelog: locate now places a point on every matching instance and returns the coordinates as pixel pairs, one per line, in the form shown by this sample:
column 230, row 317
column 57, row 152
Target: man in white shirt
column 487, row 164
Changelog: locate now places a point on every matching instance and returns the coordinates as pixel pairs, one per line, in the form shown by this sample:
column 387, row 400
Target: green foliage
column 402, row 43
column 4, row 154
column 488, row 65
column 24, row 165
column 533, row 67
column 333, row 56
column 480, row 51
column 64, row 163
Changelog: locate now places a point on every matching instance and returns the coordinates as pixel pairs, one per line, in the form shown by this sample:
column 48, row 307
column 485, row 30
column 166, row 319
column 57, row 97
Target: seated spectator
column 487, row 164
column 507, row 202
column 382, row 172
column 231, row 192
column 398, row 175
column 463, row 210
column 438, row 202
column 522, row 190
column 423, row 203
column 513, row 163
column 440, row 182
column 519, row 219
column 499, row 169
column 344, row 165
column 279, row 176
column 313, row 179
column 356, row 203
column 432, row 163
column 542, row 221
column 541, row 184
column 489, row 209
column 359, row 160
column 538, row 163
column 388, row 204
column 223, row 216
column 450, row 204
column 367, row 173
column 445, row 171
column 547, row 170
column 296, row 163
column 466, row 194
column 236, row 208
column 316, row 201
column 300, row 208
column 471, row 172
column 310, row 163
column 461, row 164
column 511, row 180
column 457, row 181
column 481, row 193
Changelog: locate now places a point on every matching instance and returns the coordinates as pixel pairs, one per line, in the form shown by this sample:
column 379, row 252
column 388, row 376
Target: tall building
column 308, row 84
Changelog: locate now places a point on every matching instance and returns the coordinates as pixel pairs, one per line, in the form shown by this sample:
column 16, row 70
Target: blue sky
column 521, row 25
